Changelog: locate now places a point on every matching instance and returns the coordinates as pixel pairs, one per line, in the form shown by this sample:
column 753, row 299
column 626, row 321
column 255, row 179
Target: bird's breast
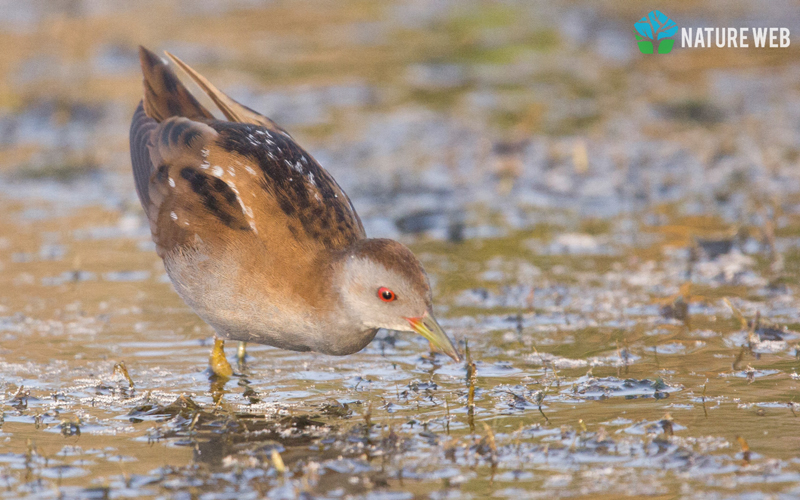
column 246, row 306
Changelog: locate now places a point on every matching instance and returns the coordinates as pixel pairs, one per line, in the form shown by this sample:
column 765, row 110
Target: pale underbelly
column 216, row 293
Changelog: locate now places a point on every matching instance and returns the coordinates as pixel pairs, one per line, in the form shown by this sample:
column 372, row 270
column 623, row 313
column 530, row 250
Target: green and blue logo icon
column 654, row 31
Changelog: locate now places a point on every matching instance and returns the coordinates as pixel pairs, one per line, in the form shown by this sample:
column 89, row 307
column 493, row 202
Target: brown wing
column 314, row 206
column 289, row 189
column 182, row 196
column 239, row 183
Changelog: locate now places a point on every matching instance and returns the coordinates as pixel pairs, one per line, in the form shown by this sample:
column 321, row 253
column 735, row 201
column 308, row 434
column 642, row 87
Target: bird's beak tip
column 427, row 326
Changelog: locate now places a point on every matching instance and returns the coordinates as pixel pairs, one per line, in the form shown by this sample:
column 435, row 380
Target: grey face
column 384, row 298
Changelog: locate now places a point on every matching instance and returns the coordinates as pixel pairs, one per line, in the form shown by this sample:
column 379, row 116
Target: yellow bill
column 427, row 326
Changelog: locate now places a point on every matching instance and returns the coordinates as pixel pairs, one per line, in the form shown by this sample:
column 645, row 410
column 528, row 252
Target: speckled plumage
column 255, row 235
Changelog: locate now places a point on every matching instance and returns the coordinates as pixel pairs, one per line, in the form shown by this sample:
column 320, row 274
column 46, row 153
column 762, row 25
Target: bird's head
column 383, row 285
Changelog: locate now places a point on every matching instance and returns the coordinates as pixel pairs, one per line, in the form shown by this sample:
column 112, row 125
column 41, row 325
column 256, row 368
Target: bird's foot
column 217, row 362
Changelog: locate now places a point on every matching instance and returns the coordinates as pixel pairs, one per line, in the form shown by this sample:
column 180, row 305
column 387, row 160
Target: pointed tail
column 232, row 110
column 164, row 94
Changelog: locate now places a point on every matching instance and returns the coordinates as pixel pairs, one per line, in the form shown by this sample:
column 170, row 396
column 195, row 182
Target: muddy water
column 611, row 237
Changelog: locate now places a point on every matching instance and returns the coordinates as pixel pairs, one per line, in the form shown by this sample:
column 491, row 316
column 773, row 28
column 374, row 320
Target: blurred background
column 589, row 215
column 447, row 118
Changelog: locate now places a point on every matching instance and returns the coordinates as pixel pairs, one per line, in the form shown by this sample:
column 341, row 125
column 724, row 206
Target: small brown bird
column 257, row 237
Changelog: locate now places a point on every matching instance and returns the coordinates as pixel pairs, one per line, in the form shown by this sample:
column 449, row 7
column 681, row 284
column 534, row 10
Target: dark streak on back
column 329, row 220
column 213, row 192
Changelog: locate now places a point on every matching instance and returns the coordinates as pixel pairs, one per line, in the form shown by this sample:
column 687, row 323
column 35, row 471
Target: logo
column 654, row 31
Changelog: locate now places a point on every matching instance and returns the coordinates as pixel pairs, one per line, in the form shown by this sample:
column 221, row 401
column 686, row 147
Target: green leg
column 241, row 353
column 218, row 362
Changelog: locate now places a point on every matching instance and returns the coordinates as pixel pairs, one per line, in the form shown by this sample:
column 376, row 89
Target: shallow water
column 612, row 239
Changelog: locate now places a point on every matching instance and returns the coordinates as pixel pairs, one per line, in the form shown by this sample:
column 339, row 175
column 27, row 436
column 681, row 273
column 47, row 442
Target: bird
column 257, row 238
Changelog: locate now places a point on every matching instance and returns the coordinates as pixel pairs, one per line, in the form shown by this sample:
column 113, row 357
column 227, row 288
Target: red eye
column 385, row 294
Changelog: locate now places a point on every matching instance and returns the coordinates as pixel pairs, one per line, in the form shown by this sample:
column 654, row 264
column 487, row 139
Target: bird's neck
column 322, row 279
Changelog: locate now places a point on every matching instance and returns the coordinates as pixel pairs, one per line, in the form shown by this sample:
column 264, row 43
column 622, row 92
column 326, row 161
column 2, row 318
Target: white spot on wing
column 294, row 166
column 173, row 216
column 171, row 182
column 247, row 211
column 217, row 171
